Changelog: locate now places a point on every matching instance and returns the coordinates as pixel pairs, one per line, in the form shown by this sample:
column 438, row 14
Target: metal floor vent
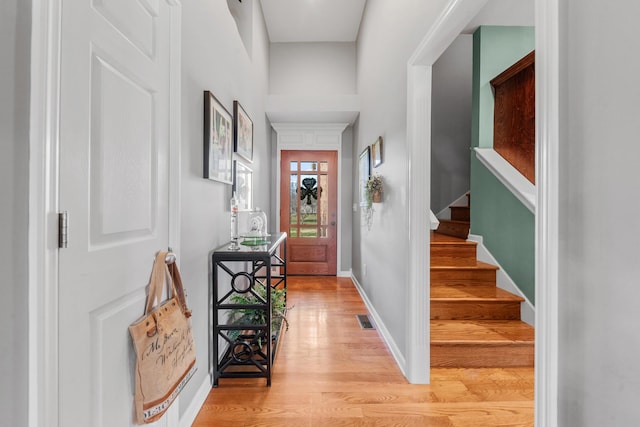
column 364, row 321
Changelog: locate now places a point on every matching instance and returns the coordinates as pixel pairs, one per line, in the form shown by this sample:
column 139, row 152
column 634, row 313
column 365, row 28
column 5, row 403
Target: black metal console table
column 244, row 342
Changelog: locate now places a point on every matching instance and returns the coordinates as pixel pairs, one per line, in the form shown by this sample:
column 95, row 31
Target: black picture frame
column 243, row 132
column 218, row 140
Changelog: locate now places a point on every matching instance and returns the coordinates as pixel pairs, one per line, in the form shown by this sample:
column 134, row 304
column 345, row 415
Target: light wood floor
column 329, row 372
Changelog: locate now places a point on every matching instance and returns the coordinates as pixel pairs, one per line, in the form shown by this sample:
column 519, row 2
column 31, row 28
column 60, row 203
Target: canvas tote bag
column 162, row 338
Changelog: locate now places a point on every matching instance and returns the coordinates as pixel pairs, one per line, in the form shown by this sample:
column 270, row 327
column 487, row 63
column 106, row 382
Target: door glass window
column 323, row 203
column 308, row 166
column 293, row 197
column 309, row 200
column 308, row 204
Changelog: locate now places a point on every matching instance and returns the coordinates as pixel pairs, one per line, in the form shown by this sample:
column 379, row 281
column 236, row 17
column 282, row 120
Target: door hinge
column 63, row 229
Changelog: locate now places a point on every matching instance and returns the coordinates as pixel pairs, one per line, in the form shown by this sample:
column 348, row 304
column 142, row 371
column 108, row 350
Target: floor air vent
column 364, row 321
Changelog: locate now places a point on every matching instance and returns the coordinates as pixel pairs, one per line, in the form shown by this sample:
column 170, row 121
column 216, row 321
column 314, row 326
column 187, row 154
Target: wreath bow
column 309, row 190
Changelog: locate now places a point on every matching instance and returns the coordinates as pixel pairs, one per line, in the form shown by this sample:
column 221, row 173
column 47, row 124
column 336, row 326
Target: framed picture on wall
column 243, row 186
column 376, row 152
column 218, row 140
column 243, row 132
column 364, row 171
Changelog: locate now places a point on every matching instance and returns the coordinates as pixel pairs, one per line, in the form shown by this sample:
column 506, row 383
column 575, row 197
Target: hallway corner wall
column 380, row 254
column 598, row 293
column 346, row 211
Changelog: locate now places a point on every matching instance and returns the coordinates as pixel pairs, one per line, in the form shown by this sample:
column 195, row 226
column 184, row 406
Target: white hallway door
column 115, row 140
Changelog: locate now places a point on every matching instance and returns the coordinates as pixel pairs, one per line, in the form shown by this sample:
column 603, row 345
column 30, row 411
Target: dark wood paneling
column 514, row 115
column 303, row 253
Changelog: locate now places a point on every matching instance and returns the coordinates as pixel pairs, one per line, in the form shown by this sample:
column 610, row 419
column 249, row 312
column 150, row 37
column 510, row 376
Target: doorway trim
column 419, row 71
column 440, row 36
column 312, row 137
column 43, row 208
column 548, row 207
column 44, row 146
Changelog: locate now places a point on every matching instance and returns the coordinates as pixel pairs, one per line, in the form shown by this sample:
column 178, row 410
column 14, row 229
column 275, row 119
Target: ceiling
column 290, row 21
column 312, row 20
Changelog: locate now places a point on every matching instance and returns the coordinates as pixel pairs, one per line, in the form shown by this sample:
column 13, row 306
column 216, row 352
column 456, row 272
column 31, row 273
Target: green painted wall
column 507, row 226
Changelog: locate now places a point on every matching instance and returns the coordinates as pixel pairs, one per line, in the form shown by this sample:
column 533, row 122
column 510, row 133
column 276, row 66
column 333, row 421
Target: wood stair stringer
column 453, row 228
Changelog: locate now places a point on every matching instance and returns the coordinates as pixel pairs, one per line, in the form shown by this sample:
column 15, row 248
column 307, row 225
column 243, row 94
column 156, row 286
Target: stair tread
column 454, row 221
column 479, row 265
column 472, row 293
column 445, row 238
column 481, row 332
column 438, row 243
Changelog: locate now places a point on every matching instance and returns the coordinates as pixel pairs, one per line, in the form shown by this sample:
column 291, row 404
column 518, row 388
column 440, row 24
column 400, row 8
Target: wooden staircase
column 473, row 322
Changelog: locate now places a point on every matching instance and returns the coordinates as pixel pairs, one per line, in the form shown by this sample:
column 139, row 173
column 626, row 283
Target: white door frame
column 419, row 71
column 44, row 194
column 547, row 213
column 43, row 208
column 442, row 33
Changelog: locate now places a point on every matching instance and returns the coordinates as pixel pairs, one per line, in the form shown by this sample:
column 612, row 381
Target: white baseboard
column 503, row 281
column 196, row 404
column 382, row 329
column 433, row 220
column 344, row 273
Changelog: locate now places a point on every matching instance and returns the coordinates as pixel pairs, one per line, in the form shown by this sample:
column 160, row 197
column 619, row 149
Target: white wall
column 388, row 36
column 312, row 69
column 15, row 38
column 451, row 123
column 346, row 207
column 599, row 373
column 214, row 58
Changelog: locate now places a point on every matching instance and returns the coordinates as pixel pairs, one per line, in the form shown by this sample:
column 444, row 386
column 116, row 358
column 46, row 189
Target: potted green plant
column 375, row 188
column 257, row 316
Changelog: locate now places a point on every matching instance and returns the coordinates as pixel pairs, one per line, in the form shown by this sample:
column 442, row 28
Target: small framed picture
column 243, row 186
column 243, row 132
column 364, row 171
column 376, row 152
column 218, row 140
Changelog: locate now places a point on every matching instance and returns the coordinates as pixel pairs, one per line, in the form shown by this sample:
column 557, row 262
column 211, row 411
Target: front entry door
column 308, row 210
column 115, row 125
